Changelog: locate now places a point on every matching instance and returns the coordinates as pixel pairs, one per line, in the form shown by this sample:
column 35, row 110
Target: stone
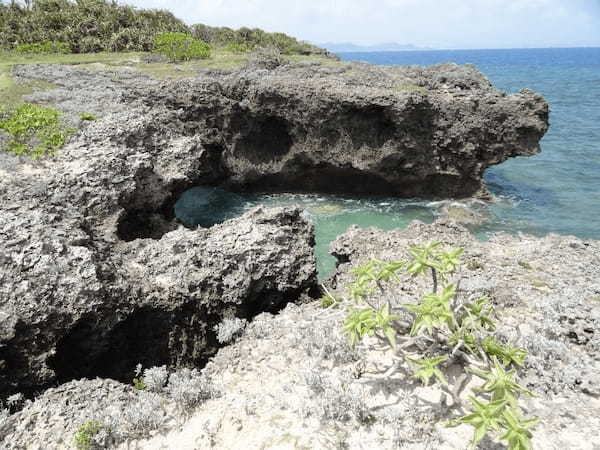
column 75, row 306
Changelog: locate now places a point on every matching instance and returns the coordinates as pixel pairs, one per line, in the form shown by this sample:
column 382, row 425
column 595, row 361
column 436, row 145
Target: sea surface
column 556, row 191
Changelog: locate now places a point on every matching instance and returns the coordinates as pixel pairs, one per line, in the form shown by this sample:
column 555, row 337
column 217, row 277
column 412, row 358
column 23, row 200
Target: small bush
column 188, row 388
column 442, row 329
column 88, row 116
column 229, row 329
column 34, row 130
column 46, row 47
column 84, row 437
column 181, row 47
column 155, row 378
column 84, row 25
column 237, row 48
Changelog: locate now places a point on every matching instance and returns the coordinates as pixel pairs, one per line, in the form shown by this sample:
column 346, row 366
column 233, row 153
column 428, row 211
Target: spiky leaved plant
column 439, row 330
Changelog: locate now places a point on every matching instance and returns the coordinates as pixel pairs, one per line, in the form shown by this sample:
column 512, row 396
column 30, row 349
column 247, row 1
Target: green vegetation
column 410, row 88
column 90, row 26
column 88, row 116
column 84, row 25
column 84, row 437
column 525, row 265
column 138, row 383
column 248, row 39
column 34, row 130
column 46, row 47
column 443, row 330
column 181, row 47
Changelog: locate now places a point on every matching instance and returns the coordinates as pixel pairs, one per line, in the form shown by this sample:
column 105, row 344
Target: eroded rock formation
column 95, row 276
column 74, row 305
column 292, row 379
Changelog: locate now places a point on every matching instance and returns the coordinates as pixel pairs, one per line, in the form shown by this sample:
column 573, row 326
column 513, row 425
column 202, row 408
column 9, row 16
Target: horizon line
column 432, row 49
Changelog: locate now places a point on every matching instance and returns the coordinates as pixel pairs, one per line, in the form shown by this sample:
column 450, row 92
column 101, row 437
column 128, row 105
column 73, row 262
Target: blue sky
column 435, row 23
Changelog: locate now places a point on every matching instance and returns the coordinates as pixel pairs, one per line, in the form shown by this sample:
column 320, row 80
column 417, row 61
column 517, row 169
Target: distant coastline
column 349, row 47
column 392, row 48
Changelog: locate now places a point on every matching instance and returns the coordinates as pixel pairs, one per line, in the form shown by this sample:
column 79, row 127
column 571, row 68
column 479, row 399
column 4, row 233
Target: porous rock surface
column 74, row 304
column 545, row 290
column 345, row 128
column 54, row 418
column 291, row 380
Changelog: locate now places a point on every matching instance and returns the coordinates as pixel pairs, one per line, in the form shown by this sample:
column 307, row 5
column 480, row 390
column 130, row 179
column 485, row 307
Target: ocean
column 556, row 191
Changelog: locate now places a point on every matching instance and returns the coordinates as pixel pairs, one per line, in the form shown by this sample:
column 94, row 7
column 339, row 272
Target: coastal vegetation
column 439, row 331
column 101, row 31
column 33, row 130
column 91, row 26
column 180, row 47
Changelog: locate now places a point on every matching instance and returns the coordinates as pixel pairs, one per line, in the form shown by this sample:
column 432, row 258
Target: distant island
column 385, row 47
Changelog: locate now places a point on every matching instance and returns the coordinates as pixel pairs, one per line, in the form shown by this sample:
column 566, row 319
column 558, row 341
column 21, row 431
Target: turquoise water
column 556, row 191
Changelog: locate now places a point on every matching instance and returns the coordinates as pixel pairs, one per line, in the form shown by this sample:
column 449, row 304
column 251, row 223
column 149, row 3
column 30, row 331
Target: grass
column 219, row 59
column 84, row 438
column 410, row 88
column 12, row 93
column 525, row 265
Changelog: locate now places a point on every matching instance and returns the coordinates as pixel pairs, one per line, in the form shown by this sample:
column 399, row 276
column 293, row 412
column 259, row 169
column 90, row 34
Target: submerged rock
column 206, row 206
column 462, row 215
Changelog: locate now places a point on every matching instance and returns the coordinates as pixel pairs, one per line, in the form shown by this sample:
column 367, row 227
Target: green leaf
column 359, row 324
column 433, row 312
column 485, row 417
column 427, row 369
column 500, row 383
column 478, row 315
column 517, row 430
column 506, row 353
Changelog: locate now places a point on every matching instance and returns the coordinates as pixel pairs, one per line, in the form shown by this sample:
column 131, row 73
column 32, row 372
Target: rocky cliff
column 97, row 276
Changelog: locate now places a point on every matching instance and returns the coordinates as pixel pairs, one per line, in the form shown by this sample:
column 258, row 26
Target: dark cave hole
column 112, row 348
column 97, row 349
column 263, row 139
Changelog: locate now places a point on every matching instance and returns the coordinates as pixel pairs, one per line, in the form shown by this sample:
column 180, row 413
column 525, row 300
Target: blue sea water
column 556, row 191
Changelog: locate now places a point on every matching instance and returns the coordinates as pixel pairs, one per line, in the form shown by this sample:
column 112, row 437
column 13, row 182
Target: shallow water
column 555, row 191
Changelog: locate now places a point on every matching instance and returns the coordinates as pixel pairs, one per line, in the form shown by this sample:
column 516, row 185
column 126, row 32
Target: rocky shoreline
column 291, row 379
column 98, row 276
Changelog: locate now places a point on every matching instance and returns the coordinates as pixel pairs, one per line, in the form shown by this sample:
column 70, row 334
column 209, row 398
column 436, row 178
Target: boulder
column 73, row 305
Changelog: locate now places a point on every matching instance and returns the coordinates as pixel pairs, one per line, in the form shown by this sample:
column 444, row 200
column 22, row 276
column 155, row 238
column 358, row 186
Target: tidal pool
column 331, row 215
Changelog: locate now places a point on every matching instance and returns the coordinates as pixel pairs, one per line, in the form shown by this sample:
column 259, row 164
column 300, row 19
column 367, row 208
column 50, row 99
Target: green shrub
column 248, row 39
column 237, row 48
column 84, row 437
column 88, row 116
column 440, row 330
column 46, row 47
column 34, row 130
column 84, row 25
column 181, row 47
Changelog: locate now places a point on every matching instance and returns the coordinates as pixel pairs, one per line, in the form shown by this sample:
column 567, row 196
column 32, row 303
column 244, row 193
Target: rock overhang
column 95, row 252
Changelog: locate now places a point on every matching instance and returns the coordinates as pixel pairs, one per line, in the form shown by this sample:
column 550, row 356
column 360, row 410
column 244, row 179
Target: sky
column 428, row 23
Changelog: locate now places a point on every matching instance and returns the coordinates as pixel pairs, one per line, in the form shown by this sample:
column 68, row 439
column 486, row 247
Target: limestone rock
column 75, row 306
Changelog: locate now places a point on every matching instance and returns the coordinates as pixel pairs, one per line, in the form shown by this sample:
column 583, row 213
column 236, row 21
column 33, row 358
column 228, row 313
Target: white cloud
column 440, row 23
